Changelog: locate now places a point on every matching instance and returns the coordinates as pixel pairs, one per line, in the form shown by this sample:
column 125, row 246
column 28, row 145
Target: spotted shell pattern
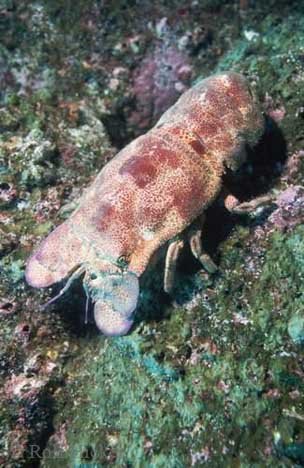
column 155, row 187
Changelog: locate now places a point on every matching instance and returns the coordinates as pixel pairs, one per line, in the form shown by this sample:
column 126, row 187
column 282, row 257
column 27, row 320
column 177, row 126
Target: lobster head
column 115, row 297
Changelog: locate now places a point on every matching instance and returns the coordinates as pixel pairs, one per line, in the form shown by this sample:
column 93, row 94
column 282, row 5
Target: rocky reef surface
column 213, row 376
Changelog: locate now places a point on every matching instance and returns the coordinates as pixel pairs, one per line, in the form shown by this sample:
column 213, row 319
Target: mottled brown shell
column 157, row 185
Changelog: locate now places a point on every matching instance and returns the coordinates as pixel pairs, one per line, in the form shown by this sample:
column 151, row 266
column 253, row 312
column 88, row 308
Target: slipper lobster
column 154, row 191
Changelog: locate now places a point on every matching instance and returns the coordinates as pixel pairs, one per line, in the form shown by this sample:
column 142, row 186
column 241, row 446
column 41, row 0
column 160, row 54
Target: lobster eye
column 122, row 262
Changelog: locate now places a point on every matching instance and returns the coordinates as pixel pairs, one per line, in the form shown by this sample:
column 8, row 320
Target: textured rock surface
column 214, row 377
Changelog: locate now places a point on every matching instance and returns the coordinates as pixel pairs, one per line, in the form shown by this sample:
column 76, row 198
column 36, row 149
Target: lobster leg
column 195, row 241
column 233, row 205
column 173, row 252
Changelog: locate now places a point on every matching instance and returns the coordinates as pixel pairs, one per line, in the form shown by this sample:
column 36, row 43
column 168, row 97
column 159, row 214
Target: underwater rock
column 162, row 76
column 35, row 156
column 290, row 211
column 208, row 381
column 7, row 306
column 8, row 193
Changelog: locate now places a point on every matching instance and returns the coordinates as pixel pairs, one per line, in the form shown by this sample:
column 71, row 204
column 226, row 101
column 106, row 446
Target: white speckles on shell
column 146, row 233
column 202, row 98
column 225, row 80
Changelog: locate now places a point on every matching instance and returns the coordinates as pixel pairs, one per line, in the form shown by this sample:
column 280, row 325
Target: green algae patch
column 296, row 327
